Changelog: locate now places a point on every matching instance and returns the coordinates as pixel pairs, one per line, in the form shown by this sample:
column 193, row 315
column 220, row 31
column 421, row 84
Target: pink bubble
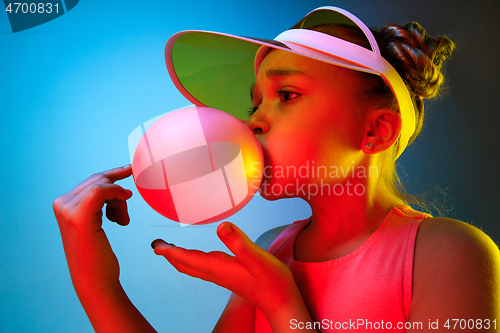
column 198, row 165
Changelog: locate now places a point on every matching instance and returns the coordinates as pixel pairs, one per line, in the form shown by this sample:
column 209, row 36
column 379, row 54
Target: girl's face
column 308, row 120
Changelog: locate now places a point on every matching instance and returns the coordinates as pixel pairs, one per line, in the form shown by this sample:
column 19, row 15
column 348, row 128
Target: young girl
column 324, row 99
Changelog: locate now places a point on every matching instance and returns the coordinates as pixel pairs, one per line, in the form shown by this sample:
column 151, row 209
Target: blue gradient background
column 71, row 90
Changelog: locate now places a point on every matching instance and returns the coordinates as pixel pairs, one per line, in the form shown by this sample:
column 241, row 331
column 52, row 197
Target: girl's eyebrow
column 276, row 73
column 282, row 72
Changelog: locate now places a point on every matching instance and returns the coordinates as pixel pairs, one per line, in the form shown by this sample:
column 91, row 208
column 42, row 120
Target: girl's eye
column 286, row 96
column 252, row 110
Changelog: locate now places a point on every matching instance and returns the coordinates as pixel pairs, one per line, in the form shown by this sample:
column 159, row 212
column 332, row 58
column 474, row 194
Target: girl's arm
column 92, row 264
column 252, row 273
column 238, row 316
column 456, row 282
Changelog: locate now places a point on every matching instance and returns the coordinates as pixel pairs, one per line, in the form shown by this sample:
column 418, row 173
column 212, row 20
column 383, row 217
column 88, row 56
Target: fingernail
column 227, row 230
column 157, row 242
column 126, row 166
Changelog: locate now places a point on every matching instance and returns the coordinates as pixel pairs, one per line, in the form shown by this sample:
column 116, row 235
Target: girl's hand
column 92, row 264
column 253, row 274
column 82, row 206
column 79, row 215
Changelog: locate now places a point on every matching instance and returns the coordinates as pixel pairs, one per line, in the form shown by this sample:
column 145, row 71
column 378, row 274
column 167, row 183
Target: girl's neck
column 341, row 223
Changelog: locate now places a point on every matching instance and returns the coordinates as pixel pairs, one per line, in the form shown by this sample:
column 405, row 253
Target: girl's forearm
column 92, row 264
column 111, row 310
column 294, row 311
column 95, row 274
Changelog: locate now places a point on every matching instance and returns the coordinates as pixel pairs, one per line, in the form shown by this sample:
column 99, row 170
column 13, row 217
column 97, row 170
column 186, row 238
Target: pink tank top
column 367, row 289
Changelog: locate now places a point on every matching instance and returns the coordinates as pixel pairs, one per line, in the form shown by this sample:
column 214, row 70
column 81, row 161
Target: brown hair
column 418, row 59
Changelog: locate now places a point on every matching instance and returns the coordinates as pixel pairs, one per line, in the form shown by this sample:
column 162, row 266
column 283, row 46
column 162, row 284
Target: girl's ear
column 383, row 127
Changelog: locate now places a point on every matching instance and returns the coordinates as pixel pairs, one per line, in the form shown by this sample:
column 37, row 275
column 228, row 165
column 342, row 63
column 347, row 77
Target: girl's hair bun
column 417, row 56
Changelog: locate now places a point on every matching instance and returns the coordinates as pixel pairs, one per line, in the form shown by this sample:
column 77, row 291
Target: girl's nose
column 258, row 123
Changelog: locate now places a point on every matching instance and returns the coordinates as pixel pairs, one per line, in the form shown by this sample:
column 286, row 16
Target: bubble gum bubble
column 198, row 165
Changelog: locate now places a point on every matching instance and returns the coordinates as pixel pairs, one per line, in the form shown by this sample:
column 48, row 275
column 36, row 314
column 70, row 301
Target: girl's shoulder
column 267, row 238
column 444, row 237
column 455, row 265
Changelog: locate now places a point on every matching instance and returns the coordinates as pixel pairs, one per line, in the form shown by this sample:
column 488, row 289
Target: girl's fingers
column 191, row 258
column 119, row 173
column 195, row 263
column 239, row 243
column 190, row 271
column 83, row 205
column 109, row 176
column 159, row 242
column 98, row 194
column 116, row 211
